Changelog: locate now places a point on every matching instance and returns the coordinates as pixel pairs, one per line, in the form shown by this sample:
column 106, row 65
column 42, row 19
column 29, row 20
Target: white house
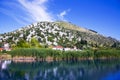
column 6, row 46
column 58, row 48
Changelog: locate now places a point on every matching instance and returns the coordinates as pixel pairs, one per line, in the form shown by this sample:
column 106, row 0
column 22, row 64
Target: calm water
column 80, row 70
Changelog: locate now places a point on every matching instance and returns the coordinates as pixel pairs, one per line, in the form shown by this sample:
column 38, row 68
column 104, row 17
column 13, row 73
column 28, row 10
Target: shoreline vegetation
column 43, row 54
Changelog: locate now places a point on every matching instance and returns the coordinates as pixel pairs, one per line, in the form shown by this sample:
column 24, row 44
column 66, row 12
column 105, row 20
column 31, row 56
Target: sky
column 102, row 16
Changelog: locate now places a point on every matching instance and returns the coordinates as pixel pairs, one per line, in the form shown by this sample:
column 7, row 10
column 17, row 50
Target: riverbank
column 17, row 58
column 36, row 54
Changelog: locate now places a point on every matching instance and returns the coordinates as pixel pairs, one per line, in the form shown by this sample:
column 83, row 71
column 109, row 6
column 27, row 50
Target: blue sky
column 102, row 16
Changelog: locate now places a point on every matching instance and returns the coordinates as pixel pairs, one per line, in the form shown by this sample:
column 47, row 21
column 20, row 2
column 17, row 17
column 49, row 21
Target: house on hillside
column 65, row 49
column 58, row 48
column 71, row 49
column 6, row 47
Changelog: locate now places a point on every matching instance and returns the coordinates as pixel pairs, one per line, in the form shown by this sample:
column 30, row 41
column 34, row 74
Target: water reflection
column 112, row 76
column 80, row 70
column 4, row 64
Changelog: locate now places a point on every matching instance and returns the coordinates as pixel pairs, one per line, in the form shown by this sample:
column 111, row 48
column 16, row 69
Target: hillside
column 58, row 33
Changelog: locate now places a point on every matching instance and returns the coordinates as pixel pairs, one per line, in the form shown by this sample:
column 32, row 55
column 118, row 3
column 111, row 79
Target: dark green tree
column 81, row 43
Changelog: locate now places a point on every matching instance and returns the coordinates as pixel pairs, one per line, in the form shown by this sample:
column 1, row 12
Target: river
column 61, row 70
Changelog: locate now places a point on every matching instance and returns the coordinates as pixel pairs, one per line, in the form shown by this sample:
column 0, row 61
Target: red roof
column 58, row 47
column 1, row 49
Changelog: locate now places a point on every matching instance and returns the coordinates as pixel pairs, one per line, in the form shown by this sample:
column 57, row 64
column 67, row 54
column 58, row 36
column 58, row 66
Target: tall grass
column 65, row 55
column 35, row 52
column 112, row 53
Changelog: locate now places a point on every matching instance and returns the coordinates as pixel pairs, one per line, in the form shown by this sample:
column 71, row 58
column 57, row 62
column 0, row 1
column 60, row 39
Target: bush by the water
column 65, row 55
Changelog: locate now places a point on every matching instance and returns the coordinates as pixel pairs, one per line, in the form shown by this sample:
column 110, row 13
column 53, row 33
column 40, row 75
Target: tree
column 50, row 39
column 35, row 43
column 81, row 44
column 22, row 44
column 116, row 45
column 84, row 42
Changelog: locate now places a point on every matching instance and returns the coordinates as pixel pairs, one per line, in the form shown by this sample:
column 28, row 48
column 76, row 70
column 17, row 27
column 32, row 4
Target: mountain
column 58, row 33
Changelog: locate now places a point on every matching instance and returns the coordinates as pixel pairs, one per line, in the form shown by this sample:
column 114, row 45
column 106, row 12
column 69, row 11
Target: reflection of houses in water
column 60, row 71
column 0, row 65
column 4, row 64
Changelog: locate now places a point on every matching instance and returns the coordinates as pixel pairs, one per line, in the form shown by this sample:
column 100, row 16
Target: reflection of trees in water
column 83, row 70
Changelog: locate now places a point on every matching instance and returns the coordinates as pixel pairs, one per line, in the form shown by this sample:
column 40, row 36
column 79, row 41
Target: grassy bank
column 110, row 53
column 49, row 54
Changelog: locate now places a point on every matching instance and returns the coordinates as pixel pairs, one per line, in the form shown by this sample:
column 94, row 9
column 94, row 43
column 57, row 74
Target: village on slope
column 6, row 47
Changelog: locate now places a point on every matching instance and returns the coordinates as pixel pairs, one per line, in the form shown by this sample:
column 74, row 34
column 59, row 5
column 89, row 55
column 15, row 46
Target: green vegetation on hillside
column 61, row 33
column 24, row 44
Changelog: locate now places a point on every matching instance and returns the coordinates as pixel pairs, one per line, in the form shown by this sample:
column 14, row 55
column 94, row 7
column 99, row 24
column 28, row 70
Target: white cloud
column 30, row 11
column 62, row 14
column 36, row 10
